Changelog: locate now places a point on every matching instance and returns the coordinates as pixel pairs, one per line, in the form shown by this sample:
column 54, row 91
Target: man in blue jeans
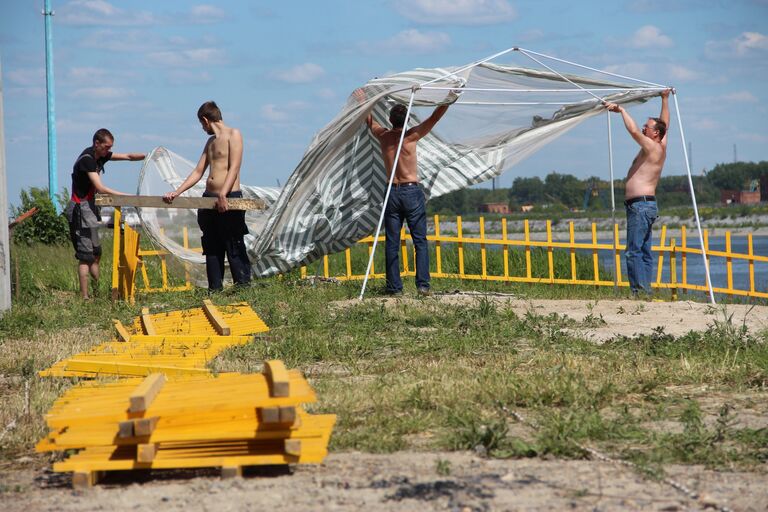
column 640, row 192
column 406, row 199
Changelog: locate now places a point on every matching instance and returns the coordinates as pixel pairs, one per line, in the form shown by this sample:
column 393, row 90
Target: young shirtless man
column 640, row 192
column 406, row 199
column 223, row 229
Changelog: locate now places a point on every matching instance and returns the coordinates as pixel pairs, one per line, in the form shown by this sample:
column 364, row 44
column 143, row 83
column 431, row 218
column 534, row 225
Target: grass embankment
column 427, row 374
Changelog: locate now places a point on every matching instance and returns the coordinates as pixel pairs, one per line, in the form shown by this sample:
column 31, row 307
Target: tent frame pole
column 613, row 203
column 386, row 195
column 693, row 197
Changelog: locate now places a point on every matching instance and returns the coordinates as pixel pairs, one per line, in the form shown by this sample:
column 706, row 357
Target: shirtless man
column 640, row 203
column 406, row 199
column 223, row 229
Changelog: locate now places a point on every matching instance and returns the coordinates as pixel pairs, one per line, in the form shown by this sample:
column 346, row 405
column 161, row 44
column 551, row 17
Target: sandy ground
column 457, row 481
column 401, row 481
column 630, row 317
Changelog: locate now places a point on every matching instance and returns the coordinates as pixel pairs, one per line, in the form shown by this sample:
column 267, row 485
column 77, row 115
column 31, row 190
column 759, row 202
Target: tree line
column 567, row 192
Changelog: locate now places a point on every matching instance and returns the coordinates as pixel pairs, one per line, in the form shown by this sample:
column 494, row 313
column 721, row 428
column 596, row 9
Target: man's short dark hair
column 101, row 135
column 397, row 116
column 661, row 127
column 210, row 111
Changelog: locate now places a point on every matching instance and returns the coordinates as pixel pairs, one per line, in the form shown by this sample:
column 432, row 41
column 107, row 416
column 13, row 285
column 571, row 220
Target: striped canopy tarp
column 335, row 195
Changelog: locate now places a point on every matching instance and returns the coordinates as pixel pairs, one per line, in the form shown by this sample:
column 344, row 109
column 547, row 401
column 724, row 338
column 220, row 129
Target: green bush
column 46, row 226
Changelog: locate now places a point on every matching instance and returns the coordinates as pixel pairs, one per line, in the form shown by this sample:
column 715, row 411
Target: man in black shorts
column 82, row 213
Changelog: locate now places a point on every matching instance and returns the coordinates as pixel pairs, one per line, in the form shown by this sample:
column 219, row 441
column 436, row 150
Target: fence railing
column 673, row 255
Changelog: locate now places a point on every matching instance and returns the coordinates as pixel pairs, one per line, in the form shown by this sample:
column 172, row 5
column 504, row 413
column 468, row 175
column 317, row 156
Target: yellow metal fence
column 672, row 253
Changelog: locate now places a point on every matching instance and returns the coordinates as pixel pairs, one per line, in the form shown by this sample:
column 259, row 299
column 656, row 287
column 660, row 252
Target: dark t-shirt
column 82, row 187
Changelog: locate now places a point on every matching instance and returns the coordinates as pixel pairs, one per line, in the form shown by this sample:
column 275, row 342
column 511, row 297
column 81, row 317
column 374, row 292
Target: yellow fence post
column 438, row 255
column 662, row 242
column 483, row 263
column 729, row 263
column 505, row 248
column 527, row 231
column 550, row 253
column 461, row 246
column 617, row 256
column 751, row 264
column 673, row 268
column 572, row 250
column 683, row 259
column 116, row 253
column 595, row 257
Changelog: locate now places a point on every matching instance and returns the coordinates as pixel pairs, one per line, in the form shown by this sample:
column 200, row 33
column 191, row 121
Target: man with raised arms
column 406, row 199
column 223, row 229
column 640, row 192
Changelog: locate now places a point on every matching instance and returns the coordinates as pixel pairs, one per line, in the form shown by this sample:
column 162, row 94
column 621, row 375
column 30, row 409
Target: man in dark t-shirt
column 82, row 213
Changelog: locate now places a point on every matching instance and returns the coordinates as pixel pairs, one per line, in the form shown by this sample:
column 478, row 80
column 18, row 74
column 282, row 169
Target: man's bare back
column 217, row 150
column 407, row 164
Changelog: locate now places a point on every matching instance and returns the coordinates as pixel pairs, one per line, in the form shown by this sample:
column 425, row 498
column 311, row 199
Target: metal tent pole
column 613, row 204
column 386, row 195
column 695, row 207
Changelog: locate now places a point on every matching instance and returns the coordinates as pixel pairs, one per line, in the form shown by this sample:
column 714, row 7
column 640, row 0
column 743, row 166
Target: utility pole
column 5, row 243
column 53, row 182
column 735, row 155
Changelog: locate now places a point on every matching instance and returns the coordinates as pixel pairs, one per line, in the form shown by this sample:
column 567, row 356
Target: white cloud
column 681, row 73
column 630, row 69
column 186, row 77
column 301, row 74
column 746, row 44
column 100, row 12
column 102, row 92
column 460, row 12
column 26, row 77
column 206, row 14
column 273, row 113
column 326, row 93
column 410, row 41
column 188, row 58
column 649, row 36
column 706, row 124
column 741, row 97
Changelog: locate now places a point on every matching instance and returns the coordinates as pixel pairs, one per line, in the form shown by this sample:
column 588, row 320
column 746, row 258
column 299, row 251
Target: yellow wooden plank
column 145, row 394
column 146, row 452
column 179, row 202
column 217, row 320
column 147, row 325
column 279, row 382
column 85, row 479
column 122, row 332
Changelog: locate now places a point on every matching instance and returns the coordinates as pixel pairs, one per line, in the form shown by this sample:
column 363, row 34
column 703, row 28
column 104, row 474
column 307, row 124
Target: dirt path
column 400, row 481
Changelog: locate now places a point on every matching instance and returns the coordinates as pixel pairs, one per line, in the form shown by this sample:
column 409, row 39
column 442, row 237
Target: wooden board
column 207, row 203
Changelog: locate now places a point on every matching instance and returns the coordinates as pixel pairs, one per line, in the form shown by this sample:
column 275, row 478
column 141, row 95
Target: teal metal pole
column 53, row 185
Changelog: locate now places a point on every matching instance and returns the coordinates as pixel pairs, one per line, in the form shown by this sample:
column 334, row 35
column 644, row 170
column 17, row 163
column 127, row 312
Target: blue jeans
column 640, row 218
column 406, row 203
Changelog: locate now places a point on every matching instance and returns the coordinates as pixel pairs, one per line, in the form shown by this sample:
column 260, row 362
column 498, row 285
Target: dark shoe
column 424, row 292
column 394, row 293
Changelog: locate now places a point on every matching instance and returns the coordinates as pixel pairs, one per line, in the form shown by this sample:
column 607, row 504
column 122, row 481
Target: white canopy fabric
column 335, row 194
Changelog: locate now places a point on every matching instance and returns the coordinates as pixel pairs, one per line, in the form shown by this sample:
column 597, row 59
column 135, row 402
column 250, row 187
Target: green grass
column 426, row 374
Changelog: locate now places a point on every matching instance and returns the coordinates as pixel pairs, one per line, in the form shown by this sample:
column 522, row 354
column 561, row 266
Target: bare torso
column 218, row 153
column 407, row 168
column 643, row 175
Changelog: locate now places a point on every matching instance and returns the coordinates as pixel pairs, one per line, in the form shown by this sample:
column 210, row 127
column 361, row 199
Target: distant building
column 764, row 187
column 526, row 208
column 494, row 208
column 739, row 197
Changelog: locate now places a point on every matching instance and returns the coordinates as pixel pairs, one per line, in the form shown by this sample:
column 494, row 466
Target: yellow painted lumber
column 279, row 382
column 216, row 319
column 147, row 325
column 145, row 393
column 122, row 332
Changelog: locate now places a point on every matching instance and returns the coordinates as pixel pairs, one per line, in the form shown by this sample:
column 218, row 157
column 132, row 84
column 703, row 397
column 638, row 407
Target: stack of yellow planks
column 174, row 343
column 230, row 421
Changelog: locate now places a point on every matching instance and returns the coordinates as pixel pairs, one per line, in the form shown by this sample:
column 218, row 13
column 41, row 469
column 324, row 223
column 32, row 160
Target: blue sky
column 281, row 70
